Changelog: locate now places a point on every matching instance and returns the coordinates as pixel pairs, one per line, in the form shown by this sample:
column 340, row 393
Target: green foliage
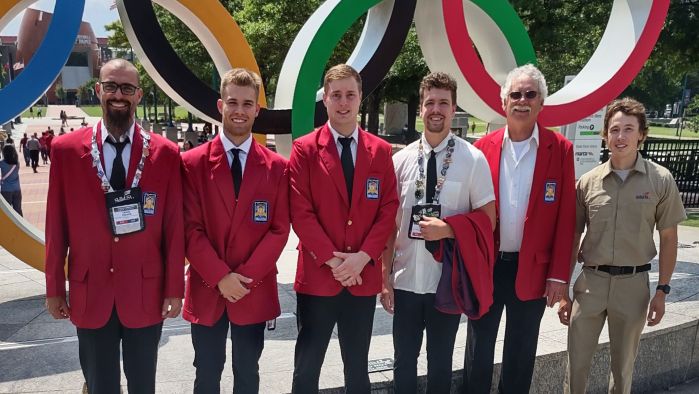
column 692, row 113
column 87, row 91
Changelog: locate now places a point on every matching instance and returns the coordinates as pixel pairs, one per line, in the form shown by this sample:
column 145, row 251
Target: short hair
column 532, row 72
column 241, row 77
column 120, row 64
column 438, row 80
column 9, row 153
column 341, row 71
column 630, row 107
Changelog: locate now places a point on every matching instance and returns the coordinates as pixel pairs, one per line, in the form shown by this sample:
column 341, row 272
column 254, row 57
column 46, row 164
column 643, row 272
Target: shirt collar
column 105, row 132
column 534, row 137
column 228, row 144
column 428, row 148
column 640, row 166
column 336, row 135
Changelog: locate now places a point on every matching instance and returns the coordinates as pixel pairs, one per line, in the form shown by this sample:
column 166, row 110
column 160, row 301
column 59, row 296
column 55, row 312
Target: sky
column 97, row 13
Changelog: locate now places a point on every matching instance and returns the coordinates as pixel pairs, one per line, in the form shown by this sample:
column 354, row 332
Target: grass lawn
column 692, row 220
column 96, row 110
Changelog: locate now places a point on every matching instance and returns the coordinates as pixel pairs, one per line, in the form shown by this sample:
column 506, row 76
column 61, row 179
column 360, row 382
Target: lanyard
column 97, row 162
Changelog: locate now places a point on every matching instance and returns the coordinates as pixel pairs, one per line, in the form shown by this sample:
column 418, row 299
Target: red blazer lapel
column 494, row 163
column 543, row 157
column 327, row 151
column 365, row 154
column 221, row 174
column 254, row 172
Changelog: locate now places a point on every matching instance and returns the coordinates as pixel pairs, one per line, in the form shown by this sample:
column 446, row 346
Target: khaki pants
column 623, row 299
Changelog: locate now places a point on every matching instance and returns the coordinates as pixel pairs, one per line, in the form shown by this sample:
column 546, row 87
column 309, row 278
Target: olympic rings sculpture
column 449, row 32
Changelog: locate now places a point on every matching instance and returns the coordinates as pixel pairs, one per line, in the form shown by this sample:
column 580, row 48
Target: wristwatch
column 665, row 288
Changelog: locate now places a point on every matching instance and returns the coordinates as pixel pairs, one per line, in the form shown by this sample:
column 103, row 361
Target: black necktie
column 347, row 164
column 236, row 171
column 431, row 246
column 118, row 177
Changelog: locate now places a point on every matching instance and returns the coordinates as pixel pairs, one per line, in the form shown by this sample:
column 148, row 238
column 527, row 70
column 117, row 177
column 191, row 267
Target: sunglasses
column 126, row 88
column 529, row 94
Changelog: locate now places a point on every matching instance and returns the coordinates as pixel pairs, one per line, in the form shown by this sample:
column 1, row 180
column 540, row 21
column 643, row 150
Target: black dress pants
column 99, row 356
column 415, row 313
column 521, row 337
column 210, row 355
column 34, row 156
column 316, row 318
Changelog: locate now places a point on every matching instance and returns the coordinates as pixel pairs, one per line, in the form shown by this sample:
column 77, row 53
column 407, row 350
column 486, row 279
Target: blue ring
column 47, row 62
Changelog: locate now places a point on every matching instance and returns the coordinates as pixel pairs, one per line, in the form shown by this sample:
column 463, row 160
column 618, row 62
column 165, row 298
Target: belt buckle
column 615, row 270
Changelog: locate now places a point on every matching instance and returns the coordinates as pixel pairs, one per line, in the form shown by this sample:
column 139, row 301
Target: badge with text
column 149, row 201
column 550, row 192
column 418, row 211
column 372, row 189
column 260, row 211
column 125, row 211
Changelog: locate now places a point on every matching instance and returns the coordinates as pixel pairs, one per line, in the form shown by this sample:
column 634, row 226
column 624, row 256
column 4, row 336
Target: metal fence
column 681, row 158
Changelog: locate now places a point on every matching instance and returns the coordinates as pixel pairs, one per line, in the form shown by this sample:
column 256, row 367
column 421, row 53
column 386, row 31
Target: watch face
column 664, row 288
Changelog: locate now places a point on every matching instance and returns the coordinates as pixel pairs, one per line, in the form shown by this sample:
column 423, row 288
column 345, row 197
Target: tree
column 692, row 113
column 86, row 92
column 60, row 93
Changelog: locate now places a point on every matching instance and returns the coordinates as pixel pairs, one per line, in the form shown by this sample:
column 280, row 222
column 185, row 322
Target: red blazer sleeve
column 565, row 222
column 264, row 258
column 173, row 237
column 200, row 253
column 303, row 215
column 56, row 231
column 375, row 241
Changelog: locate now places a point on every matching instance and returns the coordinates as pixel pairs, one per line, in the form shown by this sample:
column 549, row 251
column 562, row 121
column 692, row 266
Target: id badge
column 125, row 211
column 418, row 211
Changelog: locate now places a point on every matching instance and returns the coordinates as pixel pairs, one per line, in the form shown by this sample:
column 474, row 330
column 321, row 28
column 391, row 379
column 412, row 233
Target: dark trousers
column 210, row 355
column 316, row 317
column 27, row 159
column 413, row 314
column 34, row 156
column 14, row 199
column 521, row 337
column 99, row 356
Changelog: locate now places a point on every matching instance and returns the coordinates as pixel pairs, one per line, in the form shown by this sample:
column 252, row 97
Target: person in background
column 34, row 147
column 9, row 178
column 23, row 149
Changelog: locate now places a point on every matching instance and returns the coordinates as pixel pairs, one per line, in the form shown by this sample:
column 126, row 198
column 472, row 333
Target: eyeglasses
column 127, row 89
column 529, row 94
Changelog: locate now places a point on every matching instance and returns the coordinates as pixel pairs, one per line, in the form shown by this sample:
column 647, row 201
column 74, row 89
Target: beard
column 117, row 120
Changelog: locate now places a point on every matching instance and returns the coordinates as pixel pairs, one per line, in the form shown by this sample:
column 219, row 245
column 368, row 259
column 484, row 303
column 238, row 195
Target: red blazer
column 322, row 216
column 549, row 226
column 136, row 271
column 224, row 236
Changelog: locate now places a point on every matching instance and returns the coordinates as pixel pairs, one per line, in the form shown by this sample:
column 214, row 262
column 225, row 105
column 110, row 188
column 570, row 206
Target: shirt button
column 349, row 248
column 111, row 270
column 116, row 239
column 349, row 222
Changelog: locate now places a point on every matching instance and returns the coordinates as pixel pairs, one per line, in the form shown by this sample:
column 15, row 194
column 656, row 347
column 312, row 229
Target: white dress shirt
column 109, row 150
column 517, row 163
column 353, row 144
column 242, row 155
column 468, row 186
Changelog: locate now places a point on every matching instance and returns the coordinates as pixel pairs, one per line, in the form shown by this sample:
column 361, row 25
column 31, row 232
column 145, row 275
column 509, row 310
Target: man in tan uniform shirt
column 620, row 202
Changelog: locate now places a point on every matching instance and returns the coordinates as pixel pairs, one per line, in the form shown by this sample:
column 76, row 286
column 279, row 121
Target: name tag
column 125, row 211
column 418, row 211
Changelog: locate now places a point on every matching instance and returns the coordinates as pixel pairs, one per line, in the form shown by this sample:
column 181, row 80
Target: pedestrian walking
column 9, row 178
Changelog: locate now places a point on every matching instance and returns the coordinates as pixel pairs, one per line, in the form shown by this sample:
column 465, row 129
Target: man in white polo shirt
column 442, row 169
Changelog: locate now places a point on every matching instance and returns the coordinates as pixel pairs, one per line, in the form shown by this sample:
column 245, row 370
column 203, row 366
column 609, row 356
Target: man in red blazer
column 236, row 223
column 343, row 207
column 125, row 256
column 534, row 182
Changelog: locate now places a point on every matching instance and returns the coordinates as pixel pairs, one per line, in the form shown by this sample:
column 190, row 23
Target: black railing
column 681, row 157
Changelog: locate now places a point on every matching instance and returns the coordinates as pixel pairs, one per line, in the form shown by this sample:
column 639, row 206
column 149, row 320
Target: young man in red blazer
column 125, row 257
column 236, row 223
column 343, row 208
column 534, row 182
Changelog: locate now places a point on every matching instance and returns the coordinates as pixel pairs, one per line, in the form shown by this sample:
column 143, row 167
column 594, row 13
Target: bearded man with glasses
column 534, row 181
column 125, row 258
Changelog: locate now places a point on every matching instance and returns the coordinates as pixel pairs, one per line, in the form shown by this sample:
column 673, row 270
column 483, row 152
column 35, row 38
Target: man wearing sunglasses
column 534, row 181
column 125, row 258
